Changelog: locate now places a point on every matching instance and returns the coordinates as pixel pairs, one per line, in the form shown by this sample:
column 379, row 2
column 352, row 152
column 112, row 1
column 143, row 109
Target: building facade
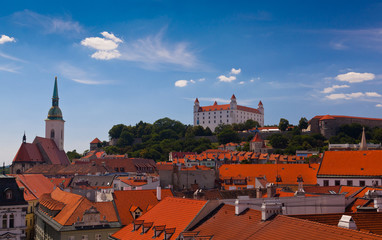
column 212, row 116
column 13, row 209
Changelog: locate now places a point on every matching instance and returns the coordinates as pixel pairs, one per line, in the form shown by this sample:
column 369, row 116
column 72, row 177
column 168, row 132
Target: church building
column 48, row 150
column 212, row 116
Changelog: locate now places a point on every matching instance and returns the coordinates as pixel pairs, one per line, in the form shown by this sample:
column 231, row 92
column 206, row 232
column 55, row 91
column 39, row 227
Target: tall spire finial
column 363, row 144
column 24, row 138
column 55, row 93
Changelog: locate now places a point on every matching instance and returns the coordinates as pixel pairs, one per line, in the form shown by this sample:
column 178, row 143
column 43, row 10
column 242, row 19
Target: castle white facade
column 212, row 116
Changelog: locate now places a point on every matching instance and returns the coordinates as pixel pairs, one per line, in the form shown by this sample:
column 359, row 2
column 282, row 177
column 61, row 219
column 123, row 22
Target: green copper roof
column 55, row 111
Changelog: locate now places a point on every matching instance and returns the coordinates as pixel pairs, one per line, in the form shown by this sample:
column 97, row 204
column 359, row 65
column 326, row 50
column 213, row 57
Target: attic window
column 362, row 168
column 8, row 194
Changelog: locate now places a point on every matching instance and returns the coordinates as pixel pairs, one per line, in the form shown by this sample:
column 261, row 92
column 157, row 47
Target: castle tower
column 260, row 107
column 196, row 105
column 233, row 103
column 54, row 124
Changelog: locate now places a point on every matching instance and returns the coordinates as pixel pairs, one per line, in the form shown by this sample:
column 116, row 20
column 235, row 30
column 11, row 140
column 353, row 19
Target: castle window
column 52, row 133
column 12, row 221
column 5, row 220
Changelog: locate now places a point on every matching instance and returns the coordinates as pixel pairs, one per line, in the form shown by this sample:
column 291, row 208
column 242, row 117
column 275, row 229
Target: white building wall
column 58, row 126
column 344, row 181
column 18, row 231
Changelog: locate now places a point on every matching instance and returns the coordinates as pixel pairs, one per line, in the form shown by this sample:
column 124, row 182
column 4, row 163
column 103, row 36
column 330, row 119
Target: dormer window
column 8, row 194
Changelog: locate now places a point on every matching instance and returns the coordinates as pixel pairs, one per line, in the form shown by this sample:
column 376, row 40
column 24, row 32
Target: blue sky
column 126, row 61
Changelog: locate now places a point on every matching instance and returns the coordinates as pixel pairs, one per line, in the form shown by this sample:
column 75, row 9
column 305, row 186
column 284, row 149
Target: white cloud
column 152, row 50
column 11, row 57
column 378, row 105
column 106, row 55
column 181, row 83
column 332, row 88
column 106, row 47
column 7, row 68
column 354, row 77
column 235, row 71
column 373, row 94
column 201, row 79
column 241, row 83
column 46, row 23
column 346, row 96
column 214, row 99
column 5, row 38
column 223, row 78
column 111, row 37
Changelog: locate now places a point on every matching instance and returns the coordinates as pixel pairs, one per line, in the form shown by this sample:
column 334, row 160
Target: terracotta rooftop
column 140, row 198
column 351, row 163
column 170, row 213
column 28, row 152
column 96, row 140
column 71, row 207
column 367, row 222
column 287, row 172
column 35, row 185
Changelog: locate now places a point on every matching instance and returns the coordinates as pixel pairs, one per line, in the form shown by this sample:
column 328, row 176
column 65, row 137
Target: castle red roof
column 96, row 140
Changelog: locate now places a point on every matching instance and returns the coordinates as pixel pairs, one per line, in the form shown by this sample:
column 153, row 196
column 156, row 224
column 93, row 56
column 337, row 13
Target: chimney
column 347, row 221
column 271, row 190
column 378, row 204
column 241, row 204
column 269, row 210
column 259, row 193
column 159, row 193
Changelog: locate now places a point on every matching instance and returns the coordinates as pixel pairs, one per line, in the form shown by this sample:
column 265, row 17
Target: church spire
column 363, row 144
column 55, row 94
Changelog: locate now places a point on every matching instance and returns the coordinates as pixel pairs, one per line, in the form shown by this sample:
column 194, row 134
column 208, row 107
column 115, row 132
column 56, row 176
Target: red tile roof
column 370, row 222
column 35, row 185
column 170, row 213
column 71, row 207
column 288, row 227
column 49, row 147
column 351, row 163
column 96, row 140
column 140, row 198
column 257, row 138
column 287, row 172
column 28, row 152
column 340, row 116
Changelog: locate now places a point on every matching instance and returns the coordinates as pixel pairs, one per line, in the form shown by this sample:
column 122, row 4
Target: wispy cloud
column 9, row 68
column 47, row 24
column 78, row 75
column 333, row 88
column 151, row 50
column 379, row 105
column 348, row 96
column 354, row 77
column 11, row 57
column 5, row 38
column 241, row 83
column 184, row 83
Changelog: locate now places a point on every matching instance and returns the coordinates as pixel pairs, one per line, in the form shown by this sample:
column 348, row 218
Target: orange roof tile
column 287, row 172
column 351, row 163
column 171, row 213
column 35, row 185
column 96, row 140
column 144, row 199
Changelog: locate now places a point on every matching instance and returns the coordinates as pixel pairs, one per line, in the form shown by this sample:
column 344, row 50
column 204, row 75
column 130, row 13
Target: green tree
column 228, row 135
column 125, row 139
column 278, row 141
column 303, row 123
column 73, row 155
column 284, row 124
column 116, row 130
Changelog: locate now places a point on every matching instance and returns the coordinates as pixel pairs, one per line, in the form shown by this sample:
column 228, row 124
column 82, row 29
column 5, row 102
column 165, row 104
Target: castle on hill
column 48, row 150
column 212, row 116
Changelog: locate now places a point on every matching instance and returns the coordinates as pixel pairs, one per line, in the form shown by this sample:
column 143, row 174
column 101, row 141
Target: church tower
column 54, row 124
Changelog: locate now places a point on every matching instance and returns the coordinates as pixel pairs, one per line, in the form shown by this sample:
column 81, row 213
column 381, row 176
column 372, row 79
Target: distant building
column 13, row 209
column 212, row 116
column 257, row 144
column 351, row 168
column 66, row 216
column 329, row 124
column 48, row 150
column 95, row 144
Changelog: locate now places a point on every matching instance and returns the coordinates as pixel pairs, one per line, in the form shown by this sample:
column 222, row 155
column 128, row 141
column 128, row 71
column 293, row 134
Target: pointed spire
column 55, row 94
column 260, row 104
column 215, row 103
column 24, row 138
column 196, row 100
column 233, row 96
column 363, row 144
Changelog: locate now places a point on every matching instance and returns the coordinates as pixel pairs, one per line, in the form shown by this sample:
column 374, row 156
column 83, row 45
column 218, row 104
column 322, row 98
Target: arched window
column 62, row 134
column 8, row 194
column 5, row 220
column 12, row 221
column 52, row 133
